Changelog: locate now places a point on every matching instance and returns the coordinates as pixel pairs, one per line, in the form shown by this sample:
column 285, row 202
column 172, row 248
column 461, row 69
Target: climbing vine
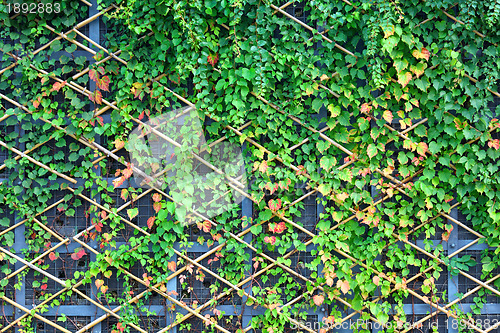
column 384, row 113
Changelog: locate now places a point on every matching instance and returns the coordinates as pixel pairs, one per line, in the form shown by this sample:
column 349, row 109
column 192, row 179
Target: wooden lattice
column 71, row 231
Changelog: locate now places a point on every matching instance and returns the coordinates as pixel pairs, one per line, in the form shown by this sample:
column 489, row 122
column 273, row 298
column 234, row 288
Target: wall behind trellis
column 85, row 310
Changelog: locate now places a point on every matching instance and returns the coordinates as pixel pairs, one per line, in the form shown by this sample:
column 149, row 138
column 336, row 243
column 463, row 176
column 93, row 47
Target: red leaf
column 494, row 144
column 388, row 116
column 120, row 327
column 271, row 240
column 205, row 225
column 118, row 182
column 57, row 86
column 263, row 167
column 318, row 299
column 279, row 228
column 212, row 59
column 301, row 170
column 36, row 102
column 365, row 108
column 128, row 171
column 171, row 266
column 274, row 205
column 156, row 197
column 98, row 97
column 93, row 75
column 422, row 148
column 151, row 221
column 423, row 54
column 103, row 83
column 43, row 286
column 141, row 115
column 78, row 255
column 100, row 120
column 124, row 194
column 157, row 206
column 104, row 214
column 343, row 285
column 147, row 279
column 52, row 256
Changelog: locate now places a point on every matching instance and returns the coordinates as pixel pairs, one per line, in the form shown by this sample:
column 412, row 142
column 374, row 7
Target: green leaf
column 322, row 145
column 248, row 74
column 371, row 150
column 327, row 162
column 265, row 215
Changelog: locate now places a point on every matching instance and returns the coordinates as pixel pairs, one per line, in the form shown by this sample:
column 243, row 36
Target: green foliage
column 391, row 95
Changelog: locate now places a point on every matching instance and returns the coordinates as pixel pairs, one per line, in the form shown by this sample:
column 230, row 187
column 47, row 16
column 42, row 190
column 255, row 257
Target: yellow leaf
column 334, row 110
column 344, row 286
column 324, row 77
column 388, row 31
column 388, row 116
column 404, row 78
column 422, row 54
column 324, row 189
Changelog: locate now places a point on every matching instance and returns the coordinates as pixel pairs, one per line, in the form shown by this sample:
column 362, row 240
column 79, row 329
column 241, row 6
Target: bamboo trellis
column 21, row 311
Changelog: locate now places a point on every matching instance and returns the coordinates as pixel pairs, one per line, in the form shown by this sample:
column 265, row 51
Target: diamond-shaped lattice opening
column 300, row 155
column 196, row 325
column 438, row 293
column 6, row 267
column 231, row 221
column 307, row 216
column 65, row 67
column 10, row 133
column 103, row 30
column 467, row 220
column 465, row 284
column 299, row 11
column 430, row 231
column 5, row 320
column 287, row 285
column 70, row 220
column 63, row 268
column 494, row 105
column 83, row 30
column 7, row 217
column 199, row 286
column 144, row 204
column 116, row 286
column 72, row 324
column 150, row 324
column 113, row 165
column 65, row 150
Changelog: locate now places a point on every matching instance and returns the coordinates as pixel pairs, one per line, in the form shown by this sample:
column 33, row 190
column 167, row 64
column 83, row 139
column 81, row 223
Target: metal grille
column 68, row 219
